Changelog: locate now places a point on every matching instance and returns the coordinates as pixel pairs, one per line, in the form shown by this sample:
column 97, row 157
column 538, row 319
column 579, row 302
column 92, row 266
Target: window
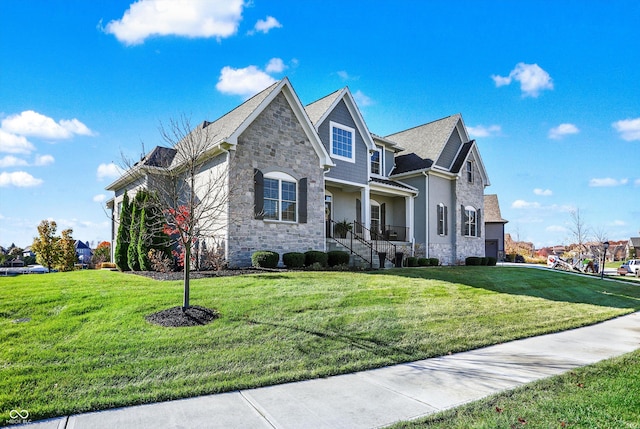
column 375, row 219
column 342, row 142
column 442, row 219
column 470, row 171
column 280, row 197
column 376, row 161
column 470, row 222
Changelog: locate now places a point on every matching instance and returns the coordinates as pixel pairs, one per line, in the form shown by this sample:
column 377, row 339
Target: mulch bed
column 175, row 317
column 179, row 275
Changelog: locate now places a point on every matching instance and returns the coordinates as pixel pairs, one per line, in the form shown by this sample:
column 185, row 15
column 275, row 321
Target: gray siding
column 346, row 170
column 450, row 150
column 419, row 207
column 388, row 162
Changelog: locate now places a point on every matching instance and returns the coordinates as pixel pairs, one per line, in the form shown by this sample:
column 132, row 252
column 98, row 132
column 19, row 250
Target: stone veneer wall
column 469, row 194
column 275, row 141
column 442, row 251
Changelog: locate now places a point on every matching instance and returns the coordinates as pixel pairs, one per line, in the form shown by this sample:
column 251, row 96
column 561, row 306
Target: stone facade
column 469, row 194
column 274, row 142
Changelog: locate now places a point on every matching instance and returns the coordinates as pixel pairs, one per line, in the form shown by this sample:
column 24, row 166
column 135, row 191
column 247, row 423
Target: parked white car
column 632, row 266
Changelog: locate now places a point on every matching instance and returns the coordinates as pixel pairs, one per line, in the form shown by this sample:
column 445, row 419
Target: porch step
column 355, row 259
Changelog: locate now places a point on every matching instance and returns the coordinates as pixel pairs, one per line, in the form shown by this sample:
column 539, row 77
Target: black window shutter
column 258, row 191
column 479, row 226
column 462, row 220
column 358, row 210
column 302, row 200
column 383, row 216
column 446, row 221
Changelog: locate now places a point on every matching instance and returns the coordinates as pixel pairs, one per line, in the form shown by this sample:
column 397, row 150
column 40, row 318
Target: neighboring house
column 28, row 253
column 303, row 170
column 494, row 227
column 83, row 252
column 633, row 248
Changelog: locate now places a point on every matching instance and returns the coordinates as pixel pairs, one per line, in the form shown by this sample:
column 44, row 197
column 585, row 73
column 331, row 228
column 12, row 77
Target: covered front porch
column 374, row 218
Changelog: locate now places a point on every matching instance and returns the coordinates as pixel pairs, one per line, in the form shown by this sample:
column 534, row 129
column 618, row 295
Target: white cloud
column 532, row 78
column 562, row 130
column 617, row 222
column 30, row 123
column 99, row 198
column 555, row 228
column 245, row 82
column 484, row 131
column 11, row 143
column 522, row 204
column 186, row 18
column 543, row 192
column 42, row 160
column 629, row 129
column 264, row 25
column 108, row 171
column 607, row 182
column 12, row 161
column 20, row 179
column 361, row 99
column 276, row 65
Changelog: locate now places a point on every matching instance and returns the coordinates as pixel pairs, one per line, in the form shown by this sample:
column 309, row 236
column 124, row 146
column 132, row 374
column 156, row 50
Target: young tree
column 579, row 230
column 102, row 253
column 68, row 256
column 122, row 240
column 134, row 232
column 192, row 189
column 45, row 246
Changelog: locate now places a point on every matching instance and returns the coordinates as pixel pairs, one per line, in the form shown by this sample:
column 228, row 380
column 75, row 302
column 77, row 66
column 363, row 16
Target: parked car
column 632, row 266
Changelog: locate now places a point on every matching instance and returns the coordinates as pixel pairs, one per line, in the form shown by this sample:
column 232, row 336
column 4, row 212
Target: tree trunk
column 187, row 272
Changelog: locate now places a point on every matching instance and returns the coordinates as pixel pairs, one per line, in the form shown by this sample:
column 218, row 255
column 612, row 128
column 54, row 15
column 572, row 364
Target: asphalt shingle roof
column 492, row 210
column 318, row 108
column 428, row 140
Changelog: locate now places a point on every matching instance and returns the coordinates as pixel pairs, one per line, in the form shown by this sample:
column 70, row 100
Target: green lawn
column 86, row 345
column 603, row 395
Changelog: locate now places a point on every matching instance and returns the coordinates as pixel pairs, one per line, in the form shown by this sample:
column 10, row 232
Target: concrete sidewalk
column 372, row 399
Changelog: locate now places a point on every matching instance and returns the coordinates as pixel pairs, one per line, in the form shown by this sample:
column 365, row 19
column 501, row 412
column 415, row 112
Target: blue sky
column 549, row 89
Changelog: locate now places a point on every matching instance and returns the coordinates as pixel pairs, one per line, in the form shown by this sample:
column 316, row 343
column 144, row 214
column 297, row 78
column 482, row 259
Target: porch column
column 409, row 217
column 366, row 210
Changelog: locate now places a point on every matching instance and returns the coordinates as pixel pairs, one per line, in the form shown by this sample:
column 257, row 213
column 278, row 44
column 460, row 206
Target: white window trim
column 469, row 172
column 280, row 177
column 442, row 218
column 333, row 125
column 475, row 221
column 380, row 151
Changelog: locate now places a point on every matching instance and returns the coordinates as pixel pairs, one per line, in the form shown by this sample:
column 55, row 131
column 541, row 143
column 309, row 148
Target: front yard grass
column 602, row 395
column 76, row 342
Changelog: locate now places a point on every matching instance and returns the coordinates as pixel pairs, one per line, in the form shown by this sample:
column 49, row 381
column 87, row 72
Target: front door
column 327, row 215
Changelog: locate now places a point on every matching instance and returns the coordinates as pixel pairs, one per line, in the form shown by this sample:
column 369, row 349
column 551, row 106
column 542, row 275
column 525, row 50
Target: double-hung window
column 376, row 162
column 470, row 171
column 470, row 222
column 342, row 141
column 442, row 219
column 280, row 197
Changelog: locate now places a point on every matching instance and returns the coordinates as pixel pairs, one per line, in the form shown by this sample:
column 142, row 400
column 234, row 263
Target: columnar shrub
column 265, row 259
column 434, row 262
column 423, row 262
column 293, row 259
column 337, row 257
column 122, row 240
column 315, row 256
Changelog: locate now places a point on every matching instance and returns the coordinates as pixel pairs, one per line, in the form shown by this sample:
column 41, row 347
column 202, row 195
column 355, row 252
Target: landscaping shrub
column 423, row 262
column 472, row 260
column 491, row 261
column 293, row 259
column 483, row 261
column 265, row 259
column 434, row 262
column 107, row 266
column 315, row 256
column 337, row 257
column 412, row 261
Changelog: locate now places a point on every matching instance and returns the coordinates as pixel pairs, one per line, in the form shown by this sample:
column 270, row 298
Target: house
column 633, row 248
column 494, row 227
column 304, row 171
column 83, row 252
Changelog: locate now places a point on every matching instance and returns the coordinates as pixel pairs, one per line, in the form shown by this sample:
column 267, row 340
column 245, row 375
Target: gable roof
column 492, row 210
column 319, row 110
column 428, row 140
column 634, row 242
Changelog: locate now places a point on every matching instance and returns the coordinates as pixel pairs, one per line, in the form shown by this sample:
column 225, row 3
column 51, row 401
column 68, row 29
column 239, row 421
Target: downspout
column 427, row 237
